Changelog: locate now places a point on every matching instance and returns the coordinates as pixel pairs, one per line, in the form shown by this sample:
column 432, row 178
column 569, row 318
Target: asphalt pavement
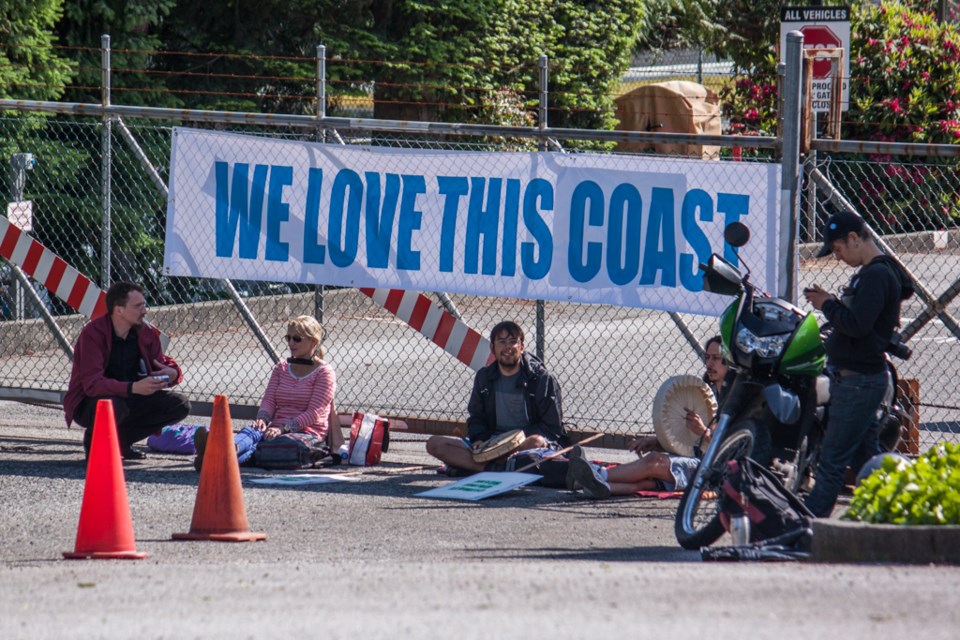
column 368, row 558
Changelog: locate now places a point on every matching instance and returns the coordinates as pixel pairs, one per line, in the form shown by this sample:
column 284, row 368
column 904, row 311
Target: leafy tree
column 669, row 24
column 906, row 71
column 30, row 69
column 133, row 26
column 466, row 60
column 259, row 56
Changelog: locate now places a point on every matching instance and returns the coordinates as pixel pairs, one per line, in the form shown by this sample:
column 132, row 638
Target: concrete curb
column 847, row 541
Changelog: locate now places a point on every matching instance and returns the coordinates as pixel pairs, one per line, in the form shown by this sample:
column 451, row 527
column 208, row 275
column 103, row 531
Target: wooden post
column 909, row 390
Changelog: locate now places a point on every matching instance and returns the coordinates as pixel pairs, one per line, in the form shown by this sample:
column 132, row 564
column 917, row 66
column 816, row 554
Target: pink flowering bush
column 904, row 87
column 905, row 75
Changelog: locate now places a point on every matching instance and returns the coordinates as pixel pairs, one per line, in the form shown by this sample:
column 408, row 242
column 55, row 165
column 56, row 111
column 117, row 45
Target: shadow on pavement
column 612, row 554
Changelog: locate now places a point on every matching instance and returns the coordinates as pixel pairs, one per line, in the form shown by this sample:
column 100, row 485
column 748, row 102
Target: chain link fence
column 610, row 360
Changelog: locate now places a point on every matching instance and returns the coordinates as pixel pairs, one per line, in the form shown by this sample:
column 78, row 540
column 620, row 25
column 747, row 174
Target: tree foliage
column 30, row 68
column 470, row 60
column 133, row 27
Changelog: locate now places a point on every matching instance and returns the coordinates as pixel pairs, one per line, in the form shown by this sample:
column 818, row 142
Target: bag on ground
column 369, row 438
column 552, row 470
column 290, row 451
column 175, row 438
column 751, row 490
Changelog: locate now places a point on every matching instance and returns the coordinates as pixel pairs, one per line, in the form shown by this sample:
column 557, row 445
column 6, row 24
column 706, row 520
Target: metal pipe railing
column 369, row 124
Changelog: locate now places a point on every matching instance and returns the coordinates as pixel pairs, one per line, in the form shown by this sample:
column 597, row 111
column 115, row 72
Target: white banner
column 620, row 230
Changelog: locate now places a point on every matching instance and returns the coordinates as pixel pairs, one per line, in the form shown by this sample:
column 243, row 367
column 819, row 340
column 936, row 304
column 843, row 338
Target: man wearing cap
column 863, row 320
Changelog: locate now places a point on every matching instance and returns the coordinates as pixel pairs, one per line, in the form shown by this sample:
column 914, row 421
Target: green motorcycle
column 774, row 411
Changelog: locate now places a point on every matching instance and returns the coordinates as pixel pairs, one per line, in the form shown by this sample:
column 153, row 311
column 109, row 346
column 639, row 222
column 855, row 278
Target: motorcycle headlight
column 765, row 347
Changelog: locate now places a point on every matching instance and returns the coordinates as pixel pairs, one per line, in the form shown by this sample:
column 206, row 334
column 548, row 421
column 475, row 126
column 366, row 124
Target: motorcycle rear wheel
column 697, row 523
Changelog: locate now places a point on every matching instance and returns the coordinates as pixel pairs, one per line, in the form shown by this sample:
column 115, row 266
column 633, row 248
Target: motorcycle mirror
column 721, row 277
column 736, row 234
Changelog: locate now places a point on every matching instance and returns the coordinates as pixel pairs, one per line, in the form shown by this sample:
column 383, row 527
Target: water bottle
column 344, row 451
column 740, row 530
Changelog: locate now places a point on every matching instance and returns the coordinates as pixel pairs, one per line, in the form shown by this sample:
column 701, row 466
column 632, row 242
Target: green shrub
column 925, row 492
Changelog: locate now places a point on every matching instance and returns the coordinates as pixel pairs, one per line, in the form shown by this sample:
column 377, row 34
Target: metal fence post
column 321, row 114
column 20, row 163
column 544, row 79
column 699, row 64
column 541, row 344
column 106, row 160
column 790, row 168
column 322, row 87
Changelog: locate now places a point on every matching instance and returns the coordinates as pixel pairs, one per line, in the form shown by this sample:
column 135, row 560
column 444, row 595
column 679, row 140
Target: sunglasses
column 296, row 339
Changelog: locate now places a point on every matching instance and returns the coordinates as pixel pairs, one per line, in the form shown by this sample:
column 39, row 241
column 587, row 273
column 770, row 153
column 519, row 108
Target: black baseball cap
column 838, row 226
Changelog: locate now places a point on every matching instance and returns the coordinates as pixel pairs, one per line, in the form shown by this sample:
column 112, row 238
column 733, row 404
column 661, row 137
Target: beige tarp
column 670, row 107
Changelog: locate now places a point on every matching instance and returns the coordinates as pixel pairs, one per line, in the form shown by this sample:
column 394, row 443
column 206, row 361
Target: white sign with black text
column 822, row 28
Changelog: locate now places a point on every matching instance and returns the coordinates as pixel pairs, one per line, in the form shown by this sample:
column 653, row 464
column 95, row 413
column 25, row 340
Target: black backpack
column 773, row 511
column 299, row 450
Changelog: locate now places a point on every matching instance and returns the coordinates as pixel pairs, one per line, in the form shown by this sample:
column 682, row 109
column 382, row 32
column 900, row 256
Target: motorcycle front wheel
column 697, row 523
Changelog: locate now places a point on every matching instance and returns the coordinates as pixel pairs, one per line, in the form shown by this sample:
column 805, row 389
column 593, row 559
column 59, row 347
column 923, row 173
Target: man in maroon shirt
column 119, row 357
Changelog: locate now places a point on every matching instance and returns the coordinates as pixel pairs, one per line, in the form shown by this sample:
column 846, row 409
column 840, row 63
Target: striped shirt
column 303, row 404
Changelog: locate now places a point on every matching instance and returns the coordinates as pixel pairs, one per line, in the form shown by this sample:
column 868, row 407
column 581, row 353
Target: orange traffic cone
column 218, row 513
column 106, row 529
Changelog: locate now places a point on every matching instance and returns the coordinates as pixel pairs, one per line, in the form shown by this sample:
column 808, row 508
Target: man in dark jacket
column 863, row 321
column 118, row 357
column 515, row 391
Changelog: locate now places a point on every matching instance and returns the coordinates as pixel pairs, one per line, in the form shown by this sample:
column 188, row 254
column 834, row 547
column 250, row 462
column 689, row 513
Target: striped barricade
column 441, row 327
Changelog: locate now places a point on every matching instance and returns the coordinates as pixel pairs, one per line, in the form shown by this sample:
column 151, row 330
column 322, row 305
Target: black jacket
column 542, row 395
column 864, row 320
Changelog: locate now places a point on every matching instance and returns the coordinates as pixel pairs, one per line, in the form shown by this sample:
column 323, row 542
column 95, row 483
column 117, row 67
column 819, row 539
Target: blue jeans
column 246, row 440
column 851, row 437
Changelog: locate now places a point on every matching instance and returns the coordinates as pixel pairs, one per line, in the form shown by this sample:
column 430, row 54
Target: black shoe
column 589, row 478
column 200, row 443
column 87, row 440
column 575, row 452
column 454, row 472
column 131, row 454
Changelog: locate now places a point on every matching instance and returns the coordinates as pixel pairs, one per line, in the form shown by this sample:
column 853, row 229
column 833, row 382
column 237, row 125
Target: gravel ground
column 368, row 558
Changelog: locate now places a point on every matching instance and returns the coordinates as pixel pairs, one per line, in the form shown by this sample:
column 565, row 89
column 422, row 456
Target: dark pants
column 852, row 435
column 137, row 416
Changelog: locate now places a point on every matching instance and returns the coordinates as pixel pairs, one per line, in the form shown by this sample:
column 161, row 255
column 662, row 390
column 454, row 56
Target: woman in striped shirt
column 299, row 396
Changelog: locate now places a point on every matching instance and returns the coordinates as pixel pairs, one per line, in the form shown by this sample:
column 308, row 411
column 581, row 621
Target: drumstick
column 557, row 454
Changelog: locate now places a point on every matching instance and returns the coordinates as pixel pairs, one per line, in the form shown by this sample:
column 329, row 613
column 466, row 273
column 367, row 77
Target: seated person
column 299, row 396
column 656, row 470
column 513, row 392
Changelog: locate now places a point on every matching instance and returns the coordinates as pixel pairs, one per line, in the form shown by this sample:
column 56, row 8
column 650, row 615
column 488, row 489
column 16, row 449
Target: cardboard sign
column 481, row 485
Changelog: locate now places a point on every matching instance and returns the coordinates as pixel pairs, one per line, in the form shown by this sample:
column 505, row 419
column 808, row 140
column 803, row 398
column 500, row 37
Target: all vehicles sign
column 822, row 28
